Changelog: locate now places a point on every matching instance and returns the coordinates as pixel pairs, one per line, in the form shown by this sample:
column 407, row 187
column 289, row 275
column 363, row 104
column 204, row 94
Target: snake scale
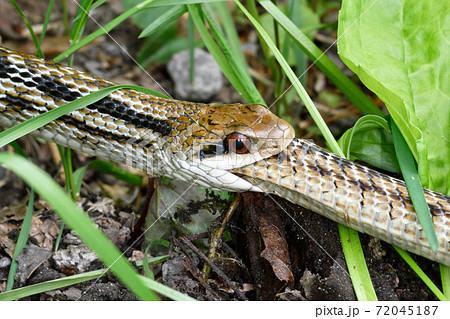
column 233, row 147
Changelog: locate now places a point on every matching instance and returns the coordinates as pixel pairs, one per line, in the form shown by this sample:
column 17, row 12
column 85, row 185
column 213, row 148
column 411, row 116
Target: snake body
column 190, row 142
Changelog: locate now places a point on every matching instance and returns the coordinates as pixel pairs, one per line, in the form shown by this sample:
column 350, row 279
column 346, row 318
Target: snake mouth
column 219, row 156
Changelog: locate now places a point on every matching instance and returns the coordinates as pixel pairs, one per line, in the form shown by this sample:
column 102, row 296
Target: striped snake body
column 230, row 147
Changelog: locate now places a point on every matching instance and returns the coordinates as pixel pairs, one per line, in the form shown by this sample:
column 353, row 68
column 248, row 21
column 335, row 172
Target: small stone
column 5, row 262
column 207, row 81
column 29, row 260
column 74, row 259
column 72, row 239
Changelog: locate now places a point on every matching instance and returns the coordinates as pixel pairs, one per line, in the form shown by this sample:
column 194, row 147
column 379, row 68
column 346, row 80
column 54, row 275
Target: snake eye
column 237, row 143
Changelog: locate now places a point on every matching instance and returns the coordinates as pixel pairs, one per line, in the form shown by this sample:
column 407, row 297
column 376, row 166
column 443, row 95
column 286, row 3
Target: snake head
column 234, row 135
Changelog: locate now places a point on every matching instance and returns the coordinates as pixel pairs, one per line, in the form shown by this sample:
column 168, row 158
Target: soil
column 274, row 250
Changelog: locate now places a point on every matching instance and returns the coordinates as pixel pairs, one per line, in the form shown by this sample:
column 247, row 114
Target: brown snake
column 231, row 147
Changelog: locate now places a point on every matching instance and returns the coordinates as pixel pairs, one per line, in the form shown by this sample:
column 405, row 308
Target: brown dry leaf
column 309, row 282
column 42, row 204
column 6, row 243
column 113, row 230
column 243, row 287
column 43, row 230
column 15, row 211
column 276, row 252
column 120, row 193
column 104, row 205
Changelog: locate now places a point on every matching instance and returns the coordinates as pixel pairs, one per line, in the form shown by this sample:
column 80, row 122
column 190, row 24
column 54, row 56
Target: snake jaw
column 268, row 135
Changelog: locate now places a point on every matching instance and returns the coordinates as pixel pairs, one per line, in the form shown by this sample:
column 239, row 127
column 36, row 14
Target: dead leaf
column 15, row 211
column 43, row 230
column 6, row 242
column 276, row 252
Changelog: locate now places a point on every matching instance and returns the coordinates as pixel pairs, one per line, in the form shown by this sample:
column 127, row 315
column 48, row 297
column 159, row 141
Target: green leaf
column 354, row 256
column 229, row 28
column 415, row 189
column 304, row 16
column 21, row 241
column 75, row 279
column 30, row 28
column 167, row 16
column 399, row 49
column 222, row 52
column 50, row 285
column 370, row 141
column 421, row 274
column 103, row 30
column 445, row 279
column 107, row 168
column 79, row 21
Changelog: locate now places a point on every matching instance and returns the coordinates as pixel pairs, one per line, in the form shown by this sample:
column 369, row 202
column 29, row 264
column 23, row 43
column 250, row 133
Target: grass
column 214, row 24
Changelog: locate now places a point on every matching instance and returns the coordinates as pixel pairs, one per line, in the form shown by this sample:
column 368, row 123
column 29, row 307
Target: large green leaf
column 399, row 49
column 370, row 141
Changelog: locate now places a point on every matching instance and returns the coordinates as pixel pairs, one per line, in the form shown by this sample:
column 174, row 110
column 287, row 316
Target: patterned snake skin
column 186, row 141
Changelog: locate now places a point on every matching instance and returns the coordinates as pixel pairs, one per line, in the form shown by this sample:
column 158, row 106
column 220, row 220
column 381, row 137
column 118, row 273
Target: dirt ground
column 273, row 249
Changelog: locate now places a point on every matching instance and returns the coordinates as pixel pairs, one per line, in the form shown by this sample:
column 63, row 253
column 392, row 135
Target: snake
column 231, row 147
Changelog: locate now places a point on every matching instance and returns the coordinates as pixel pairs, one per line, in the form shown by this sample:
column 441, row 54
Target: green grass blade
column 79, row 23
column 146, row 263
column 29, row 27
column 350, row 90
column 65, row 16
column 271, row 63
column 252, row 93
column 58, row 239
column 66, row 160
column 165, row 3
column 421, row 274
column 227, row 62
column 148, row 272
column 295, row 16
column 105, row 29
column 80, row 19
column 164, row 290
column 75, row 279
column 415, row 189
column 115, row 171
column 212, row 47
column 191, row 45
column 50, row 285
column 115, row 22
column 356, row 264
column 45, row 24
column 21, row 241
column 97, row 4
column 229, row 27
column 167, row 17
column 18, row 149
column 69, row 172
column 445, row 279
column 107, row 168
column 78, row 221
